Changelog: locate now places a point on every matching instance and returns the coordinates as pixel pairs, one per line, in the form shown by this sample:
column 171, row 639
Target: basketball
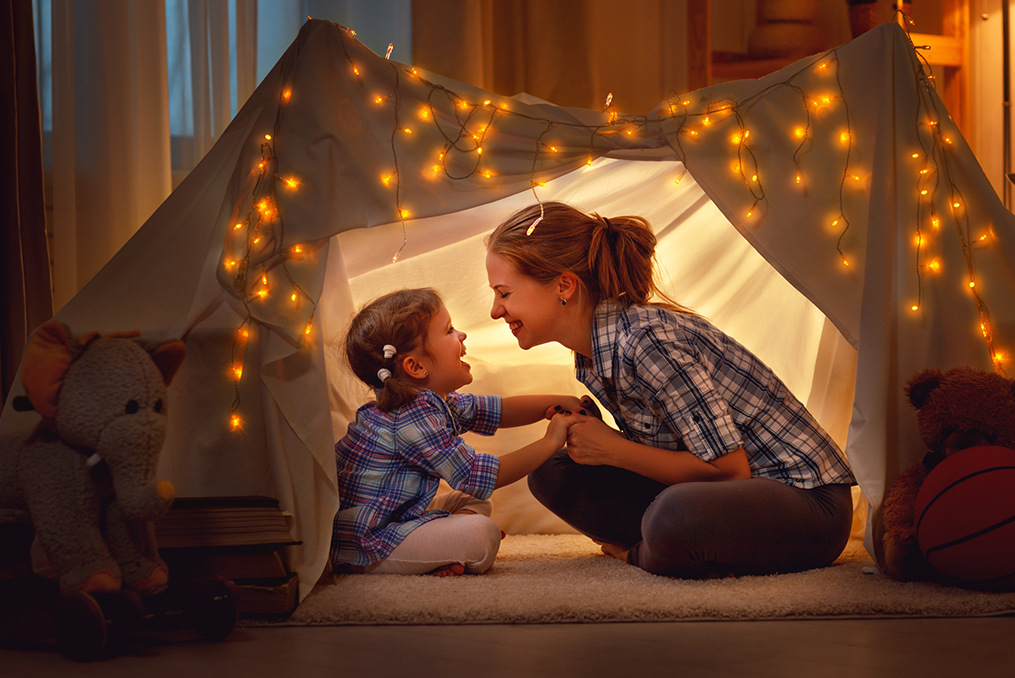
column 965, row 518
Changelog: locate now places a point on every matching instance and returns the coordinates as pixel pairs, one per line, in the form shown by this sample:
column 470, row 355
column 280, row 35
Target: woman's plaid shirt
column 675, row 381
column 390, row 464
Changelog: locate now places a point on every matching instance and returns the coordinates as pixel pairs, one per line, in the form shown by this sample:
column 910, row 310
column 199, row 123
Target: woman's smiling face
column 530, row 309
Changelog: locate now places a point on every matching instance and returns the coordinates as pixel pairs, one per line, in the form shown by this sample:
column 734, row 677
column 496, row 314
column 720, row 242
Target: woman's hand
column 585, row 405
column 590, row 441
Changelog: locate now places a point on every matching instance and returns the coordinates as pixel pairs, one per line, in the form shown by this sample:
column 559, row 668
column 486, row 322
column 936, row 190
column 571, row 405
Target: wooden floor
column 855, row 648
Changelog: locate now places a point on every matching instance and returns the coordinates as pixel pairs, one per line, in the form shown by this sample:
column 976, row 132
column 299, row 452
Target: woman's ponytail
column 614, row 258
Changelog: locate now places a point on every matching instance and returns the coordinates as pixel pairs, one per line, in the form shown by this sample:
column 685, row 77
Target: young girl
column 400, row 446
column 716, row 468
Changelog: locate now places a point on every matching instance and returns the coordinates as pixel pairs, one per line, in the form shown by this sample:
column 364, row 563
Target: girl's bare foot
column 448, row 570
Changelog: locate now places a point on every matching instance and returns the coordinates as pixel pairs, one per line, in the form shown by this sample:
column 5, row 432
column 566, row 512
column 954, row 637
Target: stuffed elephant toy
column 85, row 476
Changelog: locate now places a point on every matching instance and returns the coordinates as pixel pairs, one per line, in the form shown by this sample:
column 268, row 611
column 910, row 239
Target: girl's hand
column 585, row 405
column 590, row 441
column 556, row 431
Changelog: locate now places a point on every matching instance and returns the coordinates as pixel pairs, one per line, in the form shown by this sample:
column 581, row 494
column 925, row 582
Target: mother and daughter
column 714, row 469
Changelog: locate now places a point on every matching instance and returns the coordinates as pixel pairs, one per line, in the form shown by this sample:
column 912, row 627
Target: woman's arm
column 528, row 409
column 592, row 442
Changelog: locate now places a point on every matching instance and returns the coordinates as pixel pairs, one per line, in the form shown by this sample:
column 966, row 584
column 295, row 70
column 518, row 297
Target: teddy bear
column 84, row 477
column 957, row 409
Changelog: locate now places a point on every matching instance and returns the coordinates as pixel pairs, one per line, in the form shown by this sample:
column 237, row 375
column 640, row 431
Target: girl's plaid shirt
column 390, row 465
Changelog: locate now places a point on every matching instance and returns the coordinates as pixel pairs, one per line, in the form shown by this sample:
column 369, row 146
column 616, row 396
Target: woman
column 717, row 468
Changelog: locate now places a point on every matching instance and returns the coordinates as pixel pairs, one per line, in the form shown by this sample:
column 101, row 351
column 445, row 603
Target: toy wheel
column 214, row 612
column 80, row 627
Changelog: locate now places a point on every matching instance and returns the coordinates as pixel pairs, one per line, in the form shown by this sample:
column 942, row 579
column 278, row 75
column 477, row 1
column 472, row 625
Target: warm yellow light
column 798, row 177
column 856, row 177
column 262, row 293
column 972, row 283
column 553, row 149
column 747, row 133
column 935, row 265
column 750, row 212
column 983, row 237
column 948, row 140
column 291, row 182
column 307, row 331
column 404, row 213
column 268, row 137
column 238, row 226
column 589, row 161
column 736, row 138
column 800, row 132
column 844, row 262
column 293, row 297
column 924, row 171
column 916, row 155
column 234, row 422
column 754, row 177
column 386, row 180
column 956, row 204
column 540, row 183
column 244, row 333
column 237, row 373
column 487, row 174
column 257, row 240
column 844, row 137
column 260, row 165
column 355, row 70
column 915, row 307
column 835, row 223
column 479, row 150
column 934, row 222
column 286, row 93
column 424, row 113
column 918, row 240
column 230, row 263
column 735, row 166
column 693, row 133
column 264, row 279
column 685, row 102
column 465, row 104
column 297, row 249
column 486, row 103
column 923, row 191
column 379, row 100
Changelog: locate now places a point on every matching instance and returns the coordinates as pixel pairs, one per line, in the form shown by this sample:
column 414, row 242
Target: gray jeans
column 699, row 530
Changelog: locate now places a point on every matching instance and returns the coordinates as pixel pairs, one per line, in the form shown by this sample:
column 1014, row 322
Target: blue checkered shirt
column 675, row 381
column 390, row 464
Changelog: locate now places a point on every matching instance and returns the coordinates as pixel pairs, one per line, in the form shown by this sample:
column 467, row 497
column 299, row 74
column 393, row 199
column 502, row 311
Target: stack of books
column 242, row 539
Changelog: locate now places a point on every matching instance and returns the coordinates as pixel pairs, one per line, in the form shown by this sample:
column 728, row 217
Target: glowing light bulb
column 754, row 177
column 307, row 331
column 693, row 133
column 934, row 222
column 379, row 100
column 553, row 149
column 915, row 307
column 487, row 174
column 238, row 226
column 750, row 212
column 706, row 121
column 287, row 93
column 268, row 137
column 972, row 283
column 230, row 263
column 916, row 155
column 237, row 373
column 264, row 279
column 736, row 138
column 262, row 293
column 924, row 171
column 479, row 150
column 486, row 103
column 245, row 333
column 297, row 249
column 404, row 213
column 798, row 177
column 234, row 421
column 424, row 113
column 935, row 265
column 685, row 102
column 293, row 297
column 844, row 137
column 291, row 182
column 464, row 104
column 923, row 191
column 355, row 70
column 956, row 204
column 800, row 132
column 845, row 262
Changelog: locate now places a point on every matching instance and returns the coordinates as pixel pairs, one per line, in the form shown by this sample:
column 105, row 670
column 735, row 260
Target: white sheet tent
column 819, row 206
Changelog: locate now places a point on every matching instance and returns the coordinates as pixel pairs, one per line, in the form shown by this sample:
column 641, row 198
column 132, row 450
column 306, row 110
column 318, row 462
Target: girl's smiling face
column 530, row 309
column 441, row 355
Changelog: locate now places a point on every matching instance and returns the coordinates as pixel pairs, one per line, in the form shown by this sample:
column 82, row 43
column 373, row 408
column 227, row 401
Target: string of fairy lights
column 463, row 127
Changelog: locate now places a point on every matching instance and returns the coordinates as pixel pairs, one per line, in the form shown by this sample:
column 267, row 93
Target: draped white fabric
column 770, row 279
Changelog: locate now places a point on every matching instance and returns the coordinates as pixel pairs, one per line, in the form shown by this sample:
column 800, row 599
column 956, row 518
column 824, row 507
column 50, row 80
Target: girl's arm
column 528, row 409
column 592, row 442
column 520, row 463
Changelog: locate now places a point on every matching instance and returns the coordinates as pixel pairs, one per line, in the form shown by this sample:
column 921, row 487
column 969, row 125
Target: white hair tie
column 389, row 352
column 383, row 374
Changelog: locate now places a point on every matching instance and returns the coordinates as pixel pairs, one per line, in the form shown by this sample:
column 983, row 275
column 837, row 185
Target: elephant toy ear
column 48, row 356
column 168, row 358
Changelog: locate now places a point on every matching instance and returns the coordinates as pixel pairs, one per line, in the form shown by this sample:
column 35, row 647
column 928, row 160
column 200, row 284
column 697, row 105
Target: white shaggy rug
column 565, row 578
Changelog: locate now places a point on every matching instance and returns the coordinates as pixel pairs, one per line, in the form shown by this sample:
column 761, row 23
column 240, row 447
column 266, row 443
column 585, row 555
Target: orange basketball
column 965, row 518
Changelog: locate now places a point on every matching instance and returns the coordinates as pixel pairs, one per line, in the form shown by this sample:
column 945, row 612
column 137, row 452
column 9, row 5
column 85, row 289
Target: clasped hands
column 588, row 438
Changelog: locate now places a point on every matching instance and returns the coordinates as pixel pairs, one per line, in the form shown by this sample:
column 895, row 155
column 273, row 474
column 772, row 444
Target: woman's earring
column 563, row 302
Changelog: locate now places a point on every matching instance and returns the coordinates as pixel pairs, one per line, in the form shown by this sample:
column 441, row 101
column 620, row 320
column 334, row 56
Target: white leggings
column 470, row 540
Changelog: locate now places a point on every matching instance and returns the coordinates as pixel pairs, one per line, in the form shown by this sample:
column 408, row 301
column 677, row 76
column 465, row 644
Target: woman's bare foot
column 615, row 550
column 451, row 570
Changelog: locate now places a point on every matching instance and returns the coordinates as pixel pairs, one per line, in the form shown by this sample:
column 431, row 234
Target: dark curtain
column 27, row 298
